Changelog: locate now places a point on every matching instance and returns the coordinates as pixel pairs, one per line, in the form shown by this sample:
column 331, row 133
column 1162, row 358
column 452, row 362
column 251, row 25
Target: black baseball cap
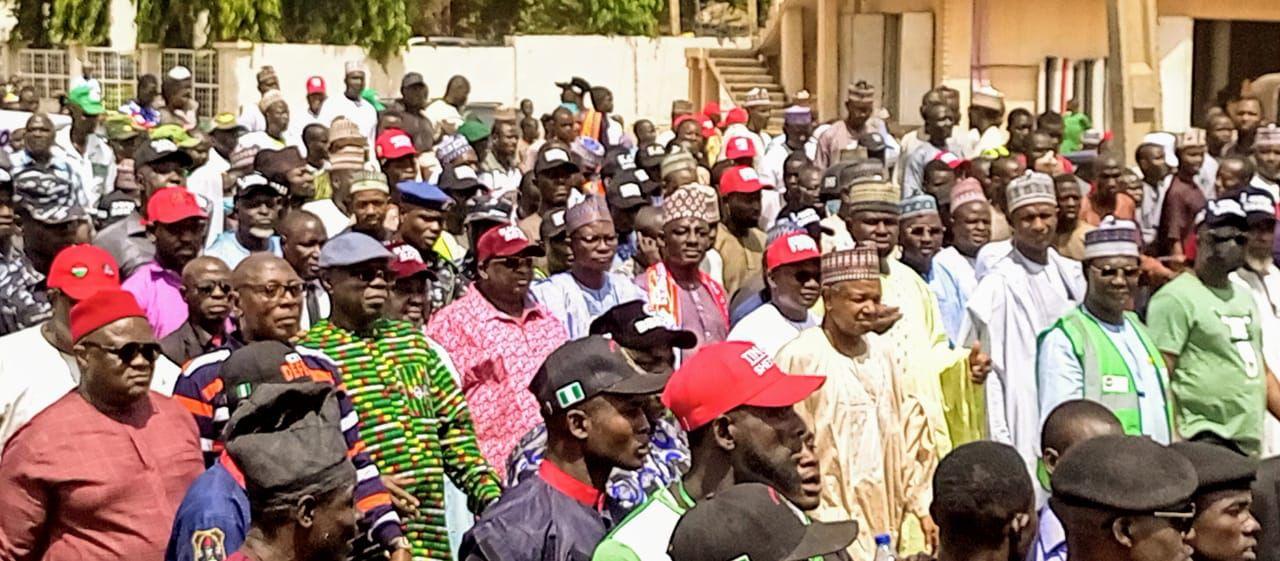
column 412, row 79
column 584, row 368
column 553, row 225
column 459, row 178
column 554, row 158
column 266, row 362
column 753, row 522
column 625, row 192
column 634, row 328
column 160, row 149
column 617, row 160
column 648, row 185
column 650, row 156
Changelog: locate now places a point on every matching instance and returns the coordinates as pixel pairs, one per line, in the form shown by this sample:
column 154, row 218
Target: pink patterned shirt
column 497, row 355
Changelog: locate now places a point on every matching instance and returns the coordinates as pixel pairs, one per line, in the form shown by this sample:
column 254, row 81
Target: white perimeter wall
column 645, row 74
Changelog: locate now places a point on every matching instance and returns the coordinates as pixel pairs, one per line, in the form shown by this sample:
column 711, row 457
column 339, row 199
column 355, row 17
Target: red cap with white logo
column 792, row 248
column 505, row 241
column 722, row 377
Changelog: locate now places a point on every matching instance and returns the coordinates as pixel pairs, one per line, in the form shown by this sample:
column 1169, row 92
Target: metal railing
column 117, row 73
column 47, row 70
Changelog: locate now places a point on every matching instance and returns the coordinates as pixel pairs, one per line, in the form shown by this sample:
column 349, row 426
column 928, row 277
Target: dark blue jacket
column 213, row 516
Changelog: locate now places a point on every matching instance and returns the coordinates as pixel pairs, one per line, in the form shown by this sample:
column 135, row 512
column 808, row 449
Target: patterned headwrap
column 685, row 202
column 859, row 263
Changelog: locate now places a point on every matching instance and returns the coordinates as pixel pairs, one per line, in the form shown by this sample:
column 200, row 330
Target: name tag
column 1115, row 384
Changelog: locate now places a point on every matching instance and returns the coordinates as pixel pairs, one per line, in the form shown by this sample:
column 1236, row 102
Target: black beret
column 1127, row 473
column 1217, row 468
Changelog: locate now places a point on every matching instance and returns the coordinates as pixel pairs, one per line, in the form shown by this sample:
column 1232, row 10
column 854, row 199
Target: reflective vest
column 1107, row 378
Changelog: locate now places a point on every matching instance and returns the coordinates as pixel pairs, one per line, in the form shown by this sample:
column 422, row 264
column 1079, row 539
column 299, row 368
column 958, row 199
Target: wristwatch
column 400, row 542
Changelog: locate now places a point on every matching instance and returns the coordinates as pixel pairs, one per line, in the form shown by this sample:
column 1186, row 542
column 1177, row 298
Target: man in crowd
column 738, row 237
column 177, row 224
column 497, row 337
column 986, row 114
column 368, row 199
column 650, row 343
column 412, row 106
column 552, row 176
column 870, row 452
column 1150, row 160
column 954, row 278
column 1210, row 334
column 1067, row 425
column 749, row 434
column 275, row 133
column 984, row 504
column 587, row 290
column 39, row 152
column 374, row 353
column 251, row 115
column 410, row 284
column 1023, row 293
column 445, row 113
column 300, row 482
column 595, row 404
column 938, row 122
column 1100, row 351
column 142, row 107
column 859, row 105
column 206, row 288
column 68, row 492
column 797, row 124
column 423, row 209
column 754, row 522
column 156, row 164
column 1224, row 528
column 352, row 105
column 1183, row 200
column 676, row 286
column 397, row 156
column 1260, row 276
column 258, row 202
column 1266, row 158
column 50, row 219
column 793, row 281
column 301, row 237
column 1246, row 114
column 1124, row 497
column 500, row 169
column 1069, row 234
column 921, row 234
column 85, row 150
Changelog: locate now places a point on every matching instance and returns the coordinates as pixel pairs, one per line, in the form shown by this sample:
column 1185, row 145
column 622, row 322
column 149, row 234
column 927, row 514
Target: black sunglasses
column 513, row 262
column 276, row 290
column 1111, row 272
column 207, row 288
column 129, row 351
column 804, row 277
column 367, row 275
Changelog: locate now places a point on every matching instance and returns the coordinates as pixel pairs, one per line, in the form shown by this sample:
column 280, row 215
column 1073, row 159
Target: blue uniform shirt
column 212, row 519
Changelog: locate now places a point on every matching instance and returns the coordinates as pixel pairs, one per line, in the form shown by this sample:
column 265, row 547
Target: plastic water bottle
column 884, row 548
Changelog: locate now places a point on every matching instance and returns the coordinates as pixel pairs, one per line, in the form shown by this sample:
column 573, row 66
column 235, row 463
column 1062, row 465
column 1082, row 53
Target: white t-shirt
column 33, row 375
column 334, row 220
column 769, row 329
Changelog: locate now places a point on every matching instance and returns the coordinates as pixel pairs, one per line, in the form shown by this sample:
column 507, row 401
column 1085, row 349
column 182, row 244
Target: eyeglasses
column 513, row 262
column 129, row 351
column 804, row 277
column 207, row 288
column 1179, row 520
column 922, row 230
column 1238, row 239
column 275, row 290
column 1111, row 272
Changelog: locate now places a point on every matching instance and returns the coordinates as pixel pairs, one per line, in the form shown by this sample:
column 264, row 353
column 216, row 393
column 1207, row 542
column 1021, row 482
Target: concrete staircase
column 740, row 71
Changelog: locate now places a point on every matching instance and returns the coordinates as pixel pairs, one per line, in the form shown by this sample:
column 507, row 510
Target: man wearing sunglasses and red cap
column 77, row 272
column 177, row 223
column 793, row 282
column 99, row 474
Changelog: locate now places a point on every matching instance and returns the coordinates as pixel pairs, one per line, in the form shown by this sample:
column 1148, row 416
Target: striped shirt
column 199, row 389
column 416, row 413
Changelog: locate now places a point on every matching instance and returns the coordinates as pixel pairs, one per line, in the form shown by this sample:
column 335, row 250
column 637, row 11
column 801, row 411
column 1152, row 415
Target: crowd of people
column 345, row 327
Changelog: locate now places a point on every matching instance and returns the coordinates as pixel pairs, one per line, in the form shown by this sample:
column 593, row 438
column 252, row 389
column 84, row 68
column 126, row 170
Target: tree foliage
column 590, row 17
column 80, row 21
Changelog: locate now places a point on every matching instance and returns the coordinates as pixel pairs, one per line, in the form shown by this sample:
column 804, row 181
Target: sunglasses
column 804, row 277
column 1179, row 520
column 370, row 274
column 1112, row 272
column 1238, row 239
column 513, row 262
column 276, row 290
column 129, row 351
column 208, row 288
column 920, row 231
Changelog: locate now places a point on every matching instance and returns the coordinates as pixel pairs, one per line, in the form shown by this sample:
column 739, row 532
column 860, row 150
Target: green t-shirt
column 645, row 533
column 1073, row 127
column 1216, row 333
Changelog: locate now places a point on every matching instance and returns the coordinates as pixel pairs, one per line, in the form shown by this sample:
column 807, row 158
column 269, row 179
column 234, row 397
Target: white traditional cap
column 179, row 73
column 1191, row 138
column 757, row 97
column 1112, row 238
column 988, row 97
column 1267, row 136
column 353, row 67
column 1031, row 188
column 919, row 205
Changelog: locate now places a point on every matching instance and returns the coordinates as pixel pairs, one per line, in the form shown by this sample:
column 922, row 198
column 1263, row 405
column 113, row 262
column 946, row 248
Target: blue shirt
column 227, row 248
column 213, row 516
column 576, row 306
column 1051, row 539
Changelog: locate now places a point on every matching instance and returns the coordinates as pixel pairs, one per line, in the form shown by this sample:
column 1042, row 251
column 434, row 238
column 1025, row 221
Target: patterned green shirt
column 416, row 424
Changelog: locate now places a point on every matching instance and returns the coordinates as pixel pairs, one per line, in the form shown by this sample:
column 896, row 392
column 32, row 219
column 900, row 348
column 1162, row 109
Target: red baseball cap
column 82, row 270
column 740, row 179
column 101, row 309
column 315, row 84
column 953, row 161
column 407, row 261
column 722, row 377
column 792, row 248
column 740, row 147
column 735, row 116
column 173, row 204
column 711, row 108
column 505, row 241
column 394, row 143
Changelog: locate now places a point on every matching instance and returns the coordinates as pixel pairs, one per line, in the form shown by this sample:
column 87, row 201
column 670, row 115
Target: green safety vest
column 1107, row 378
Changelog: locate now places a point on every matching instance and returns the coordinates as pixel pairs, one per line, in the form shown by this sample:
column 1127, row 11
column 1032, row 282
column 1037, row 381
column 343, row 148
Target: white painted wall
column 1175, row 36
column 645, row 74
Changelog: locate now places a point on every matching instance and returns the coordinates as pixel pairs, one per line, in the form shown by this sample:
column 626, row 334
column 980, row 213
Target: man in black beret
column 753, row 521
column 301, row 485
column 1225, row 529
column 1067, row 425
column 1124, row 498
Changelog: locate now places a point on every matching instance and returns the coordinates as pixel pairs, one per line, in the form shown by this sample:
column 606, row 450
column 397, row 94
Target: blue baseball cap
column 424, row 194
column 351, row 248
